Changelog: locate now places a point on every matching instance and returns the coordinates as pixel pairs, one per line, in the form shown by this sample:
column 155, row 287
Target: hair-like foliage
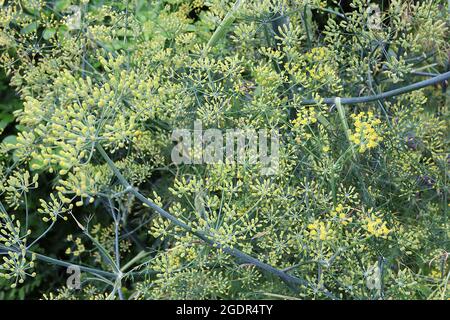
column 92, row 90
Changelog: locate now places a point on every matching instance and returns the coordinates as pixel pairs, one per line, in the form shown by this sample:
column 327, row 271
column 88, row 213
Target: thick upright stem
column 225, row 24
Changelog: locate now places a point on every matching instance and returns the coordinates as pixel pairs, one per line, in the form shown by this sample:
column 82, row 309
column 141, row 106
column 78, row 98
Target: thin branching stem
column 62, row 263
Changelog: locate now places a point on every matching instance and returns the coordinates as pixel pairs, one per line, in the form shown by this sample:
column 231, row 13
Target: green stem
column 224, row 25
column 62, row 263
column 306, row 17
column 289, row 279
column 104, row 253
column 344, row 122
column 384, row 95
column 139, row 256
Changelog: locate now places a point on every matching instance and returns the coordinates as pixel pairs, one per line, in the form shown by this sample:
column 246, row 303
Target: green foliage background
column 92, row 90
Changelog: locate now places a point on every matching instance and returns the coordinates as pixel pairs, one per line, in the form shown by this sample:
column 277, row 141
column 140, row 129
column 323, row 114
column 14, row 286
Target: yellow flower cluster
column 266, row 76
column 79, row 246
column 341, row 213
column 319, row 230
column 83, row 184
column 315, row 69
column 18, row 184
column 15, row 265
column 305, row 117
column 172, row 259
column 55, row 208
column 376, row 226
column 365, row 136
